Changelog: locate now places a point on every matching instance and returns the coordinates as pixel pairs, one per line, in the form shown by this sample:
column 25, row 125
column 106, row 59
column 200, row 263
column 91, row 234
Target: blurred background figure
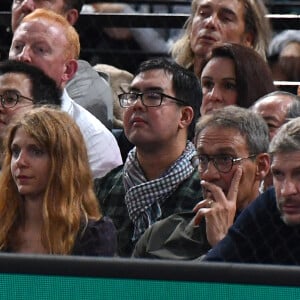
column 276, row 108
column 138, row 43
column 284, row 58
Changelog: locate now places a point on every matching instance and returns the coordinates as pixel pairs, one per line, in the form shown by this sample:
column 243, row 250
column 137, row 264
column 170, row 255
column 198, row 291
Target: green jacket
column 174, row 237
column 110, row 193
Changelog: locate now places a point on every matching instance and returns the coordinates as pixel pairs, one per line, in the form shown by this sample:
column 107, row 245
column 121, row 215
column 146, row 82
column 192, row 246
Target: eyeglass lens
column 9, row 99
column 221, row 163
column 148, row 98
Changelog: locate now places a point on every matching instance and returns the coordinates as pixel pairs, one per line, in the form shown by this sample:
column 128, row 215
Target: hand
column 218, row 209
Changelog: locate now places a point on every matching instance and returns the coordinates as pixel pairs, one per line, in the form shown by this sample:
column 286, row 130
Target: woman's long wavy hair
column 69, row 199
column 255, row 23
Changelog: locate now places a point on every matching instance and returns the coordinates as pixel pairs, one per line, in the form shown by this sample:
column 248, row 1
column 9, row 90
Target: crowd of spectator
column 179, row 157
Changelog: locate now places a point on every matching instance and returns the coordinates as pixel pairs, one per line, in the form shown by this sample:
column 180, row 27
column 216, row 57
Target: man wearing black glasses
column 231, row 144
column 159, row 177
column 21, row 87
column 268, row 230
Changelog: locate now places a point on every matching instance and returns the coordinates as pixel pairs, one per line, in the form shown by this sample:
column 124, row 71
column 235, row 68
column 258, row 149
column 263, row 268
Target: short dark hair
column 184, row 82
column 43, row 89
column 250, row 68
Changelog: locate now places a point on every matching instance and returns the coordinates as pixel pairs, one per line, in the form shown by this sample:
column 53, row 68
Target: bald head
column 273, row 108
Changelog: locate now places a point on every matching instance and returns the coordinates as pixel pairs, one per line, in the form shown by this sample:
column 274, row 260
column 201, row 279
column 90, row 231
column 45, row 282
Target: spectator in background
column 273, row 107
column 46, row 40
column 276, row 108
column 284, row 7
column 133, row 45
column 284, row 58
column 268, row 230
column 213, row 21
column 48, row 205
column 117, row 78
column 86, row 87
column 148, row 39
column 151, row 40
column 233, row 75
column 293, row 110
column 158, row 177
column 286, row 43
column 231, row 145
column 23, row 86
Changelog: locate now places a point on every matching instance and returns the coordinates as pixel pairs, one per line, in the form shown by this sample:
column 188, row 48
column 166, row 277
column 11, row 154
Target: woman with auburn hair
column 47, row 202
column 234, row 75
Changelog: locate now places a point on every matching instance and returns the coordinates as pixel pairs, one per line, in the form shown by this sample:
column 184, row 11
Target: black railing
column 156, row 20
column 89, row 27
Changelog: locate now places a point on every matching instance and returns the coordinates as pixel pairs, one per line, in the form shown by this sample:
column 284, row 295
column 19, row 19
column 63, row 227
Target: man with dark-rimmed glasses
column 21, row 87
column 159, row 177
column 232, row 156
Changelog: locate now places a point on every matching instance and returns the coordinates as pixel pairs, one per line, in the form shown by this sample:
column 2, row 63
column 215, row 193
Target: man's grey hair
column 249, row 124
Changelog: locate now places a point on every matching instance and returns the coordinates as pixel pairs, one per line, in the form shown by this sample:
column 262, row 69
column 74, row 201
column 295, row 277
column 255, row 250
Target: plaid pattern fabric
column 259, row 236
column 143, row 197
column 111, row 195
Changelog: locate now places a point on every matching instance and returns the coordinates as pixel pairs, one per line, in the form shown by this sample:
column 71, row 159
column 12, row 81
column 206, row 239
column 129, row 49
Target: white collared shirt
column 102, row 147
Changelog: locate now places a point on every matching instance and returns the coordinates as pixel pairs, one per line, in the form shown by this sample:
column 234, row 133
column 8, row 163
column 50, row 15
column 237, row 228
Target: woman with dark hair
column 234, row 75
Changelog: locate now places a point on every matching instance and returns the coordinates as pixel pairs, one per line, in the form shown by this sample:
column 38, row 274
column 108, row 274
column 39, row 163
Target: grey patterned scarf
column 143, row 198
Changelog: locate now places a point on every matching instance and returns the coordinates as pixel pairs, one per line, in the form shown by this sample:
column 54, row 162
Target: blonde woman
column 214, row 21
column 47, row 203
